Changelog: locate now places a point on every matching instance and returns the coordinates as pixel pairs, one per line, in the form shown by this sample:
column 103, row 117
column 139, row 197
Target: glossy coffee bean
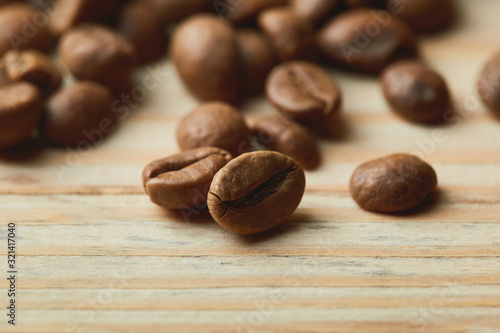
column 20, row 108
column 257, row 58
column 314, row 11
column 289, row 138
column 183, row 180
column 489, row 84
column 206, row 55
column 176, row 10
column 79, row 115
column 144, row 28
column 214, row 124
column 416, row 92
column 96, row 53
column 31, row 66
column 242, row 11
column 23, row 27
column 303, row 91
column 69, row 13
column 392, row 184
column 256, row 192
column 291, row 38
column 424, row 16
column 366, row 40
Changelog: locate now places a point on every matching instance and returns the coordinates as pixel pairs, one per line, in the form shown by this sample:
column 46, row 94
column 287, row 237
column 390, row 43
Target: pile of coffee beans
column 227, row 51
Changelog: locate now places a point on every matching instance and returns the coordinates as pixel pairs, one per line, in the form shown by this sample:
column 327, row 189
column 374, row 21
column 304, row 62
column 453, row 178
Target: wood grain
column 94, row 255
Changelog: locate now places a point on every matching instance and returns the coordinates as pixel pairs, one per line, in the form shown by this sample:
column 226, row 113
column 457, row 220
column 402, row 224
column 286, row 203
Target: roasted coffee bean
column 303, row 91
column 215, row 124
column 392, row 184
column 489, row 84
column 256, row 192
column 176, row 10
column 366, row 40
column 139, row 22
column 205, row 52
column 314, row 11
column 291, row 38
column 257, row 57
column 289, row 138
column 243, row 11
column 416, row 92
column 424, row 16
column 183, row 180
column 79, row 115
column 20, row 108
column 23, row 27
column 68, row 14
column 31, row 66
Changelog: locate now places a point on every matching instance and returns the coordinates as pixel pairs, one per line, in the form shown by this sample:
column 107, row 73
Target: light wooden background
column 94, row 255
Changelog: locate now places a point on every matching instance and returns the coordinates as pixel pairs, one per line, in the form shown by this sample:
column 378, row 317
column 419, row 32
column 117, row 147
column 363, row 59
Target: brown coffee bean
column 424, row 16
column 182, row 181
column 256, row 192
column 416, row 92
column 20, row 108
column 176, row 10
column 366, row 40
column 314, row 11
column 206, row 55
column 303, row 91
column 22, row 27
column 96, row 53
column 34, row 67
column 215, row 124
column 79, row 114
column 392, row 184
column 489, row 84
column 289, row 138
column 68, row 14
column 257, row 57
column 292, row 38
column 144, row 29
column 242, row 11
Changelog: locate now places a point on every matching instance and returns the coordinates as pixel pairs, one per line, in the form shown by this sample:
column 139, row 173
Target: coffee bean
column 176, row 10
column 416, row 92
column 366, row 40
column 144, row 29
column 392, row 184
column 425, row 16
column 215, row 124
column 256, row 192
column 314, row 11
column 68, row 14
column 289, row 138
column 303, row 91
column 23, row 27
column 20, row 108
column 292, row 38
column 182, row 181
column 489, row 84
column 205, row 52
column 79, row 115
column 34, row 67
column 257, row 57
column 242, row 11
column 94, row 52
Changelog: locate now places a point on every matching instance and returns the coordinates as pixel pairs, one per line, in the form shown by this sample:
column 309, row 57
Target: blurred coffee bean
column 242, row 11
column 292, row 38
column 424, row 16
column 367, row 40
column 205, row 52
column 489, row 84
column 314, row 11
column 176, row 10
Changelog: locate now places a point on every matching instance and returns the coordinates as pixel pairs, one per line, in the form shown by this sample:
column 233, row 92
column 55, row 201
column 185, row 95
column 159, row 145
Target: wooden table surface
column 95, row 255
